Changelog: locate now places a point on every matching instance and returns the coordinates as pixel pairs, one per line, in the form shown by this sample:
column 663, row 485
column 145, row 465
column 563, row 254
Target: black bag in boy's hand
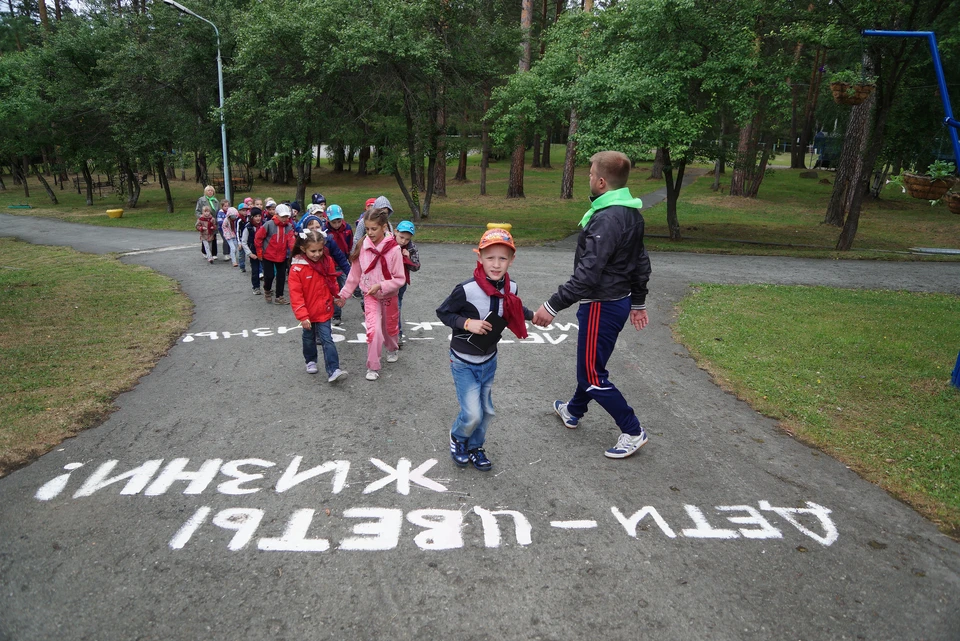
column 486, row 341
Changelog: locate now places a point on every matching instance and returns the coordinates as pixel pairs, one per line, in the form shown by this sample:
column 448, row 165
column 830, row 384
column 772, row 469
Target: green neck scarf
column 609, row 199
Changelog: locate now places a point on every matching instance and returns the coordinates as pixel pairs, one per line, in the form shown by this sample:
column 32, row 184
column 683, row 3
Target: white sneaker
column 372, row 374
column 311, row 368
column 337, row 375
column 226, row 258
column 392, row 357
column 627, row 445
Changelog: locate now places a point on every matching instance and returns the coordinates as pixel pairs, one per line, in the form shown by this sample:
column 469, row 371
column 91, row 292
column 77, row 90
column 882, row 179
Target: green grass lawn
column 785, row 218
column 862, row 375
column 75, row 331
column 790, row 210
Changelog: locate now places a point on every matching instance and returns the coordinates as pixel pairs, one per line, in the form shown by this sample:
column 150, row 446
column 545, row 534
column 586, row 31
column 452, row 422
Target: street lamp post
column 227, row 187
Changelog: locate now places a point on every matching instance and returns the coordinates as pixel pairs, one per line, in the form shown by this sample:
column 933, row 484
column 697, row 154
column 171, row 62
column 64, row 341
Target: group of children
column 328, row 263
column 323, row 263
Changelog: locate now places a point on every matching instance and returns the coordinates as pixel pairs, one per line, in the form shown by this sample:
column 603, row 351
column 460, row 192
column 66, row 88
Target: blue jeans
column 474, row 385
column 320, row 333
column 338, row 311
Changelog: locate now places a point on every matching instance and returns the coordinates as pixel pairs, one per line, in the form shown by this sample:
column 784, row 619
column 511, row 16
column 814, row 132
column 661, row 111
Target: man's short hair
column 612, row 166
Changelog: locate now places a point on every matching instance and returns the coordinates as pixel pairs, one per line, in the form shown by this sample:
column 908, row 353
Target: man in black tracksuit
column 611, row 270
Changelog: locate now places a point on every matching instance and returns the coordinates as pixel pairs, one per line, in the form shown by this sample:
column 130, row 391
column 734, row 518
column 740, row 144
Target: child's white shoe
column 337, row 375
column 392, row 357
column 372, row 374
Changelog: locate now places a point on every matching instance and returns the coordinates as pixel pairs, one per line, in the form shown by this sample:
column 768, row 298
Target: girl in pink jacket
column 229, row 231
column 376, row 265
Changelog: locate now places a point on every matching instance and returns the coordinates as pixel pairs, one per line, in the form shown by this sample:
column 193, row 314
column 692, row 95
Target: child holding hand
column 478, row 310
column 313, row 293
column 411, row 263
column 376, row 265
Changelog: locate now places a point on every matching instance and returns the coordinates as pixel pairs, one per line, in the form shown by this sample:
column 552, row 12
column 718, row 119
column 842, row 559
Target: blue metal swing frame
column 952, row 123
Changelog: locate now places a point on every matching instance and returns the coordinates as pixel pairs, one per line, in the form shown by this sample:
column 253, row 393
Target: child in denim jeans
column 478, row 310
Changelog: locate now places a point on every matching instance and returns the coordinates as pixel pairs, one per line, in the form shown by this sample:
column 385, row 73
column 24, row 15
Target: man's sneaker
column 458, row 452
column 372, row 374
column 392, row 357
column 337, row 321
column 627, row 444
column 480, row 461
column 337, row 375
column 568, row 419
column 281, row 300
column 268, row 297
column 257, row 292
column 311, row 368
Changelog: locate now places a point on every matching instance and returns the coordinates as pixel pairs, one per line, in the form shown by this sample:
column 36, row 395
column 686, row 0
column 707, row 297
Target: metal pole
column 227, row 187
column 949, row 120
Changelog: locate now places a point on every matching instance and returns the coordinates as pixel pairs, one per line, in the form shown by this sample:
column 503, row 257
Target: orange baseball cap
column 497, row 236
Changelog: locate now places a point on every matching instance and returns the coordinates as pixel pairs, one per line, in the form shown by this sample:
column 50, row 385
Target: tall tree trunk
column 165, row 183
column 656, row 172
column 203, row 176
column 484, row 141
column 536, row 151
column 440, row 158
column 517, row 160
column 413, row 201
column 751, row 191
column 847, row 179
column 301, row 161
column 545, row 156
column 673, row 193
column 462, row 164
column 134, row 192
column 24, row 172
column 338, row 157
column 44, row 19
column 746, row 159
column 88, row 180
column 46, row 185
column 363, row 159
column 801, row 139
column 570, row 159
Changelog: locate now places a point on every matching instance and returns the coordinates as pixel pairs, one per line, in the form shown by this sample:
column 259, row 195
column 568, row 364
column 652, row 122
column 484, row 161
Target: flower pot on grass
column 953, row 201
column 115, row 213
column 925, row 187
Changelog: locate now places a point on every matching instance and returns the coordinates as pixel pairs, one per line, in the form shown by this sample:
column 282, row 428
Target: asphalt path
column 250, row 500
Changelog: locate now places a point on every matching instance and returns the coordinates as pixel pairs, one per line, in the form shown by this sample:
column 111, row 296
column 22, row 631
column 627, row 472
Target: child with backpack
column 249, row 246
column 411, row 263
column 274, row 241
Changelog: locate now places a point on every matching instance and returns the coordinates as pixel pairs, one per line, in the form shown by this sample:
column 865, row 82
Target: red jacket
column 311, row 293
column 275, row 246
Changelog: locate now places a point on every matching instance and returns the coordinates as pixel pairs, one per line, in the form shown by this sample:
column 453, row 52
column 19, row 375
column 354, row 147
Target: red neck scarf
column 380, row 256
column 322, row 267
column 512, row 307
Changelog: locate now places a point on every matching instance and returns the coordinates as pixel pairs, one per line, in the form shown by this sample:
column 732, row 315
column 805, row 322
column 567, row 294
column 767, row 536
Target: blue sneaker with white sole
column 479, row 459
column 568, row 419
column 458, row 452
column 627, row 444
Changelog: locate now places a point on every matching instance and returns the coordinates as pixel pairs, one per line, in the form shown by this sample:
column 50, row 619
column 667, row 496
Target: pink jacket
column 367, row 279
column 230, row 224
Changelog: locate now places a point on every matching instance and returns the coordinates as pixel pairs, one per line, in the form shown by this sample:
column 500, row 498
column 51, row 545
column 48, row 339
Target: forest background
column 401, row 87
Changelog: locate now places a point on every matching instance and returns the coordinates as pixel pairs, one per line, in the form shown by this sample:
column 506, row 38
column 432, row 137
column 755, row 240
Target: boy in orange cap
column 478, row 310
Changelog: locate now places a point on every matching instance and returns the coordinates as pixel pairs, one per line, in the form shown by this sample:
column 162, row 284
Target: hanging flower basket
column 845, row 93
column 924, row 187
column 953, row 201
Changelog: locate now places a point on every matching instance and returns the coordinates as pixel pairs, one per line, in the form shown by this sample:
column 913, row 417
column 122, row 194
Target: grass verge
column 861, row 375
column 785, row 218
column 75, row 331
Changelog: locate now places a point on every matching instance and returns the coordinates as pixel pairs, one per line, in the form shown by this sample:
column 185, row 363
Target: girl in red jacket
column 313, row 293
